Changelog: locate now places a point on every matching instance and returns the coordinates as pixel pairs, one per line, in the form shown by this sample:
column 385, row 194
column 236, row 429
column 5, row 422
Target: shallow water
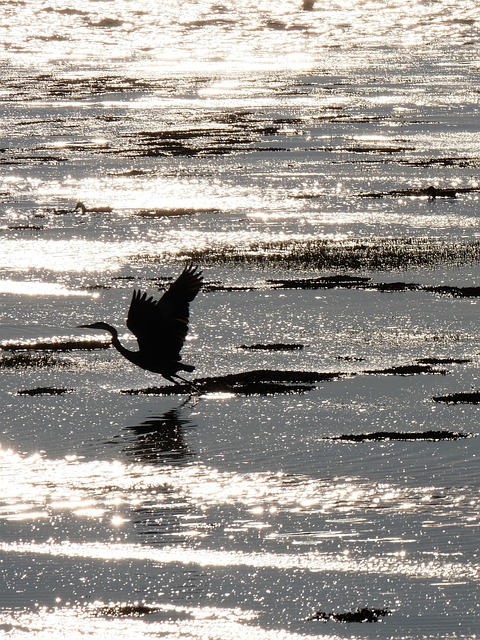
column 225, row 129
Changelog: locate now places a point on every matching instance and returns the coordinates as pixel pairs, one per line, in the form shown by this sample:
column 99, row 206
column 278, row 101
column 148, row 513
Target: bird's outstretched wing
column 161, row 326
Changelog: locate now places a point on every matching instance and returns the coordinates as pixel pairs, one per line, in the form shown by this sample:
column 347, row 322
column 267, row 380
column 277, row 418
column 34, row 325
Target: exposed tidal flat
column 320, row 162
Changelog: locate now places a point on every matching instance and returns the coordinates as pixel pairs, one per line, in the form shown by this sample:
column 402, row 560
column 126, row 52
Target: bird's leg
column 188, row 382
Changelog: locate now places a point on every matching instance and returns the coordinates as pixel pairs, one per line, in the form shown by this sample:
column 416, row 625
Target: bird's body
column 81, row 207
column 160, row 326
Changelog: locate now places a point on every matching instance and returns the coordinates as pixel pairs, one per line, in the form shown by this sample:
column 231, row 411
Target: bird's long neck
column 117, row 344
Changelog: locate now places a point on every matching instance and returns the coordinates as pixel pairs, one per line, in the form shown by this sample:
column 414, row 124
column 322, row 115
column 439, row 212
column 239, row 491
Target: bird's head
column 80, row 207
column 103, row 326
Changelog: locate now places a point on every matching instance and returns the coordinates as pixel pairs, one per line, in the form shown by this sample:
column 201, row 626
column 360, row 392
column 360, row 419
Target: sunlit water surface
column 202, row 125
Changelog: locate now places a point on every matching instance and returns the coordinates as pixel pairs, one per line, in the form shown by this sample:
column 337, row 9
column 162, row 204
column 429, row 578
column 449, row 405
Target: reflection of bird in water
column 81, row 207
column 160, row 439
column 160, row 326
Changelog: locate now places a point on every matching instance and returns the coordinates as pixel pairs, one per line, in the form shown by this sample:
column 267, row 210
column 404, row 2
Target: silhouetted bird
column 81, row 207
column 160, row 326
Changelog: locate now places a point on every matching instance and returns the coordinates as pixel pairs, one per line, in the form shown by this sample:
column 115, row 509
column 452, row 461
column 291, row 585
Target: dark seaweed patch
column 225, row 133
column 468, row 397
column 20, row 156
column 435, row 361
column 267, row 381
column 323, row 282
column 430, row 192
column 123, row 609
column 350, row 282
column 44, row 391
column 360, row 615
column 277, row 346
column 268, row 375
column 55, row 211
column 405, row 370
column 369, row 149
column 191, row 142
column 246, row 389
column 457, row 292
column 24, row 360
column 445, row 162
column 166, row 390
column 344, row 279
column 69, row 12
column 54, row 345
column 210, row 286
column 174, row 212
column 96, row 287
column 48, row 85
column 130, row 173
column 354, row 254
column 258, row 382
column 107, row 23
column 380, row 436
column 24, row 227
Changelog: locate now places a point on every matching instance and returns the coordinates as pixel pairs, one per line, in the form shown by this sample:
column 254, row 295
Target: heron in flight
column 160, row 326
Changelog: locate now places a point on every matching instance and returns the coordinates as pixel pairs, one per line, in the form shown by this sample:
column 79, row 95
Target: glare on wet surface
column 243, row 132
